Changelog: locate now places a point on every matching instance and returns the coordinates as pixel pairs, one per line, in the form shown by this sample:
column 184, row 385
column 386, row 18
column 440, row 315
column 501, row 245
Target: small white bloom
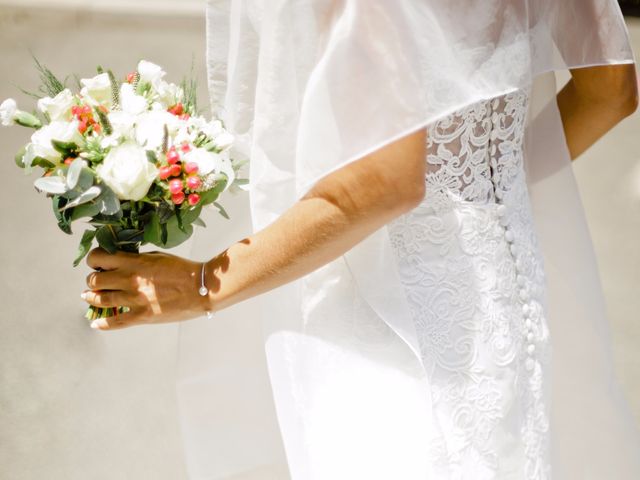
column 211, row 129
column 97, row 90
column 8, row 111
column 41, row 145
column 127, row 171
column 168, row 94
column 59, row 107
column 150, row 73
column 130, row 102
column 150, row 128
column 224, row 140
column 209, row 162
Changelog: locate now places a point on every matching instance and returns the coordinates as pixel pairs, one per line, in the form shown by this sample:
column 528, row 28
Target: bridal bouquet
column 131, row 158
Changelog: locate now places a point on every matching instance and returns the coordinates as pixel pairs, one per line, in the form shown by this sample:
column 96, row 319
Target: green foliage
column 104, row 122
column 106, row 238
column 190, row 88
column 115, row 89
column 62, row 216
column 85, row 246
column 51, row 85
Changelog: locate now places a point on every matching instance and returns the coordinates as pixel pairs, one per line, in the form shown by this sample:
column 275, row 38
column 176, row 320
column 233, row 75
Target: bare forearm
column 335, row 216
column 593, row 102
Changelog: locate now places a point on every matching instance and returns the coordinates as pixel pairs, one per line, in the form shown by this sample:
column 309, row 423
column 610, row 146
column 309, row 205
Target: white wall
column 151, row 7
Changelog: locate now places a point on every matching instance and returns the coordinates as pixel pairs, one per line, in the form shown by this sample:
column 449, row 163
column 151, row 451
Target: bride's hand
column 157, row 287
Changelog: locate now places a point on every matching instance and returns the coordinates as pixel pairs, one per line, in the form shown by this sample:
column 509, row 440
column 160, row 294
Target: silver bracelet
column 203, row 290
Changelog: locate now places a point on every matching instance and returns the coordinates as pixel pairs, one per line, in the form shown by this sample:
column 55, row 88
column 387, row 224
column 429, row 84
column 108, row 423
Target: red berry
column 97, row 127
column 176, row 170
column 82, row 128
column 131, row 77
column 186, row 116
column 86, row 110
column 69, row 161
column 76, row 110
column 178, row 198
column 193, row 182
column 177, row 109
column 165, row 172
column 175, row 186
column 194, row 199
column 173, row 157
column 191, row 167
column 186, row 148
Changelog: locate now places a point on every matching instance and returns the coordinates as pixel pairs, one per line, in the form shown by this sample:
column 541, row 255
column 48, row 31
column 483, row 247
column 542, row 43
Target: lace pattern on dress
column 470, row 263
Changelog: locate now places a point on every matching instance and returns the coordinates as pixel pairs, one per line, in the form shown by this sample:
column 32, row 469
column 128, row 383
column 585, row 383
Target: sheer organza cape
column 311, row 85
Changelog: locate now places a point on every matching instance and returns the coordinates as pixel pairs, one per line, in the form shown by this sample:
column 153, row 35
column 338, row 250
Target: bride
column 419, row 242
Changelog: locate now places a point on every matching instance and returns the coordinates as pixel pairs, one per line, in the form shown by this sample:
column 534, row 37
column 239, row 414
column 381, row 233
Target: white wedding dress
column 424, row 352
column 469, row 260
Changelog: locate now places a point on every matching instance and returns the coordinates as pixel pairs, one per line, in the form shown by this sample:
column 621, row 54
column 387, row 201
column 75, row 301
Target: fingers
column 108, row 280
column 120, row 321
column 101, row 259
column 111, row 298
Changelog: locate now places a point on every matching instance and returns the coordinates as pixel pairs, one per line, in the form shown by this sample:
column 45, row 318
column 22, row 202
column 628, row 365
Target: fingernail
column 83, row 295
column 95, row 325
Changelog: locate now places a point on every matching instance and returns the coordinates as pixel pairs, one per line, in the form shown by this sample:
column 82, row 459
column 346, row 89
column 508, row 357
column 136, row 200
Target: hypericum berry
column 76, row 110
column 177, row 198
column 175, row 186
column 82, row 128
column 131, row 77
column 86, row 110
column 176, row 170
column 173, row 157
column 97, row 128
column 185, row 116
column 165, row 172
column 69, row 161
column 191, row 168
column 186, row 148
column 193, row 182
column 194, row 199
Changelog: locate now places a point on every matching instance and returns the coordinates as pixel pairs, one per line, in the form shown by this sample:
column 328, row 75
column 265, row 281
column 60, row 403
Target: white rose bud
column 128, row 172
column 150, row 73
column 59, row 107
column 169, row 94
column 41, row 145
column 131, row 102
column 97, row 90
column 8, row 111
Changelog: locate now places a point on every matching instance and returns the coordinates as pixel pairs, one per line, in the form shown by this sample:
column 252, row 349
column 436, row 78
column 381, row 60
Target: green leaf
column 85, row 210
column 54, row 185
column 179, row 219
column 73, row 174
column 28, row 120
column 91, row 194
column 64, row 148
column 109, row 203
column 199, row 222
column 175, row 235
column 63, row 217
column 222, row 211
column 152, row 157
column 106, row 239
column 129, row 236
column 191, row 214
column 41, row 162
column 152, row 231
column 85, row 246
column 19, row 156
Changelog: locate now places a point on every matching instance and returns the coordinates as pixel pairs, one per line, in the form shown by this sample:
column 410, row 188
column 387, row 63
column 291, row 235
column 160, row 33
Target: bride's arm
column 594, row 101
column 340, row 211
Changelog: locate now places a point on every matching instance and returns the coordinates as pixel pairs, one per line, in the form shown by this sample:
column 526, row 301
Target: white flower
column 150, row 128
column 169, row 94
column 123, row 125
column 130, row 102
column 59, row 107
column 209, row 162
column 224, row 140
column 41, row 145
column 97, row 90
column 150, row 73
column 127, row 171
column 8, row 111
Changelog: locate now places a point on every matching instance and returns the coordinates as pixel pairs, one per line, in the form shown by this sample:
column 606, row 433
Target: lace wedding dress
column 470, row 263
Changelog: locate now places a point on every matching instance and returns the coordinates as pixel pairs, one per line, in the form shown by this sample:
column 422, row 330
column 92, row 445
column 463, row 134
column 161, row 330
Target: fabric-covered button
column 514, row 250
column 501, row 210
column 526, row 310
column 531, row 348
column 508, row 235
column 530, row 337
column 528, row 323
column 521, row 280
column 530, row 363
column 524, row 294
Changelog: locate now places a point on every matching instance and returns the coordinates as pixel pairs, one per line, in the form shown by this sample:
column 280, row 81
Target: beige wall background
column 76, row 404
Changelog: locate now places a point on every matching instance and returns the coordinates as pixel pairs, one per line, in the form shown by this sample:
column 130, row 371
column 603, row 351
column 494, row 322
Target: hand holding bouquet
column 132, row 158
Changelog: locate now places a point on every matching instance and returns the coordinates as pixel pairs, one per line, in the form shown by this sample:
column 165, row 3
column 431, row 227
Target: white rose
column 59, row 107
column 131, row 102
column 41, row 145
column 150, row 128
column 8, row 111
column 97, row 90
column 127, row 171
column 150, row 73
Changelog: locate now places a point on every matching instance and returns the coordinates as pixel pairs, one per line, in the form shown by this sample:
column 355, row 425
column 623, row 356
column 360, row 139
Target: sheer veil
column 311, row 85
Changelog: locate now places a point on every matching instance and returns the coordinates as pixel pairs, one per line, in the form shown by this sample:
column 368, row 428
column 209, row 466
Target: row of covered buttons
column 521, row 280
